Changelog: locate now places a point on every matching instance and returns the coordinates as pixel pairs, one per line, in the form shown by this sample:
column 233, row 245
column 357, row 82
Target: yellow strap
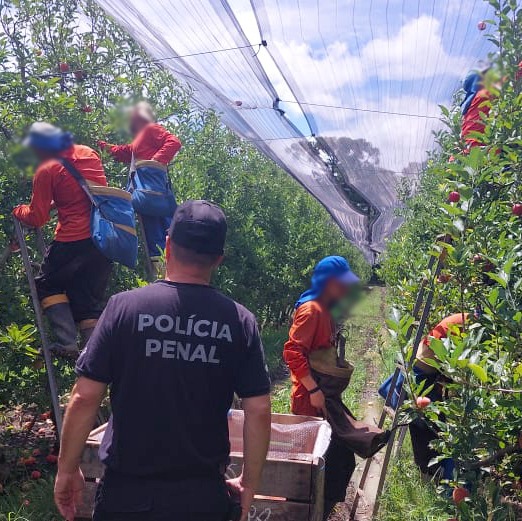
column 88, row 323
column 150, row 163
column 128, row 229
column 60, row 298
column 109, row 191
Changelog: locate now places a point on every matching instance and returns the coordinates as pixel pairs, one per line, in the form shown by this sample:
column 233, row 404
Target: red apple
column 423, row 402
column 79, row 75
column 64, row 67
column 454, row 197
column 517, row 209
column 37, row 452
column 26, row 502
column 477, row 258
column 36, row 474
column 481, row 25
column 45, row 416
column 460, row 494
column 42, row 431
column 28, row 462
column 87, row 109
column 52, row 459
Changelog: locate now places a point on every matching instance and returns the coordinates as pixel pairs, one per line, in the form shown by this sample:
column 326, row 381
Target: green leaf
column 479, row 372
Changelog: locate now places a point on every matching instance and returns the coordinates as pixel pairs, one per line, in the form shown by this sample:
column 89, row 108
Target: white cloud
column 413, row 53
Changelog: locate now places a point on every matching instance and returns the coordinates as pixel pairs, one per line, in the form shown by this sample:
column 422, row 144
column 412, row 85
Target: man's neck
column 187, row 277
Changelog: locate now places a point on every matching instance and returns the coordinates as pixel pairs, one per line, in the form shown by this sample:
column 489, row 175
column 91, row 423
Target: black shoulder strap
column 79, row 178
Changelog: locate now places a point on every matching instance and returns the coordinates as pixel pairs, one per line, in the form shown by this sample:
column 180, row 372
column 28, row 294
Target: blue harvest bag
column 384, row 389
column 113, row 222
column 151, row 190
column 113, row 225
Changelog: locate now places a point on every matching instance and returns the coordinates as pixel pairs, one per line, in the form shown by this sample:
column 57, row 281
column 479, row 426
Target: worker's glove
column 103, row 145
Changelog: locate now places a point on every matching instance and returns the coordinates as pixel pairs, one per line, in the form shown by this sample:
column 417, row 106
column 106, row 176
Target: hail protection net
column 344, row 96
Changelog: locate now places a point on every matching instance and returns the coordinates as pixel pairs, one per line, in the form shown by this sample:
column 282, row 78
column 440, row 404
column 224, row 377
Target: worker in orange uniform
column 319, row 377
column 477, row 105
column 152, row 149
column 74, row 275
column 421, row 433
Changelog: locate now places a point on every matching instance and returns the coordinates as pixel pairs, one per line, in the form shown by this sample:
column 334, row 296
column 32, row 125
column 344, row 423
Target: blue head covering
column 471, row 86
column 333, row 267
column 47, row 137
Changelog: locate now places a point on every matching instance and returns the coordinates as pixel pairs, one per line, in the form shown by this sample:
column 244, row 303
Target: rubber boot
column 64, row 328
column 86, row 329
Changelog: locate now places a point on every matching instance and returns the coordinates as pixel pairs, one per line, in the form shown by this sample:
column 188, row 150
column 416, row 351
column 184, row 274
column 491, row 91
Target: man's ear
column 168, row 251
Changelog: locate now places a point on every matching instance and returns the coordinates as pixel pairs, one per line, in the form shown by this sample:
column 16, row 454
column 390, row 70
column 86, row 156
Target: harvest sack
column 113, row 223
column 362, row 438
column 151, row 190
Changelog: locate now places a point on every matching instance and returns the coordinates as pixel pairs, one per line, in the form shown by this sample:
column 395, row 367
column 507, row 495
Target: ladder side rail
column 40, row 323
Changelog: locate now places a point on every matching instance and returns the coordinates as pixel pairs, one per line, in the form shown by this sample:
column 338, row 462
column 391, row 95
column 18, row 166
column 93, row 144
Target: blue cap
column 47, row 137
column 332, row 267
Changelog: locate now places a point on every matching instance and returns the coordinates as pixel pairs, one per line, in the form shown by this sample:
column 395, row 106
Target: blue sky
column 403, row 56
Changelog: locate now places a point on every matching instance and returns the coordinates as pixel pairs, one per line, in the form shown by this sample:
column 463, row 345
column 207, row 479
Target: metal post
column 40, row 324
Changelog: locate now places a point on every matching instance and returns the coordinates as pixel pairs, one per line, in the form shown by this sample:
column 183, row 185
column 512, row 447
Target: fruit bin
column 293, row 477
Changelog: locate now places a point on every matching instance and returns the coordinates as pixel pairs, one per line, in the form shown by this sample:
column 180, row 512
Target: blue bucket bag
column 113, row 222
column 151, row 189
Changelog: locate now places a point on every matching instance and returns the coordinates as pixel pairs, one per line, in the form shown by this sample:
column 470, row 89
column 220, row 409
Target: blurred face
column 137, row 123
column 335, row 291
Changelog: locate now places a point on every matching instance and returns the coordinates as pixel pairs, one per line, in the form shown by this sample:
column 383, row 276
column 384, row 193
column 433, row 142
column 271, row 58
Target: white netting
column 365, row 77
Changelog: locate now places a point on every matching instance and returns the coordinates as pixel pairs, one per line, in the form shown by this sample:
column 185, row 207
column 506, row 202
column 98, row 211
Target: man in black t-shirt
column 173, row 353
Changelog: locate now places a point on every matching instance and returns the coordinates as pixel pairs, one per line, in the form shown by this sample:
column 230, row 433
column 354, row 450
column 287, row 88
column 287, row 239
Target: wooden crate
column 293, row 477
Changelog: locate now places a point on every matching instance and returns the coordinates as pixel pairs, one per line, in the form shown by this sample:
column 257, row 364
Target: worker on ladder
column 74, row 275
column 423, row 433
column 152, row 149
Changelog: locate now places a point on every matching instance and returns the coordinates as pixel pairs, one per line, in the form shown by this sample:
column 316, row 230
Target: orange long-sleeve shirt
column 440, row 331
column 312, row 329
column 152, row 142
column 473, row 120
column 53, row 183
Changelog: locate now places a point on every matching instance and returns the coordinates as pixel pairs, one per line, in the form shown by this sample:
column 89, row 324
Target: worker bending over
column 422, row 433
column 319, row 377
column 174, row 353
column 152, row 149
column 74, row 274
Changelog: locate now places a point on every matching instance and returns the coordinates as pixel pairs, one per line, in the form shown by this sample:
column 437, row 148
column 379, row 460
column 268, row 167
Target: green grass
column 29, row 501
column 407, row 497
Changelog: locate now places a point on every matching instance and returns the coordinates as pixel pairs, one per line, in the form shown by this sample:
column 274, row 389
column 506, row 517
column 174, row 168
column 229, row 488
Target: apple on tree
column 423, row 402
column 460, row 494
column 454, row 197
column 517, row 209
column 64, row 67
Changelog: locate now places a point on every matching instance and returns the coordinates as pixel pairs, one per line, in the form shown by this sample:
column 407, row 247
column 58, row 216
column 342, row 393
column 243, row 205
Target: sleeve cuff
column 92, row 376
column 253, row 394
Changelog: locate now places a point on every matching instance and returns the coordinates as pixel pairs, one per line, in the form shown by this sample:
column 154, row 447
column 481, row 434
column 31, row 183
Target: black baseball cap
column 199, row 226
